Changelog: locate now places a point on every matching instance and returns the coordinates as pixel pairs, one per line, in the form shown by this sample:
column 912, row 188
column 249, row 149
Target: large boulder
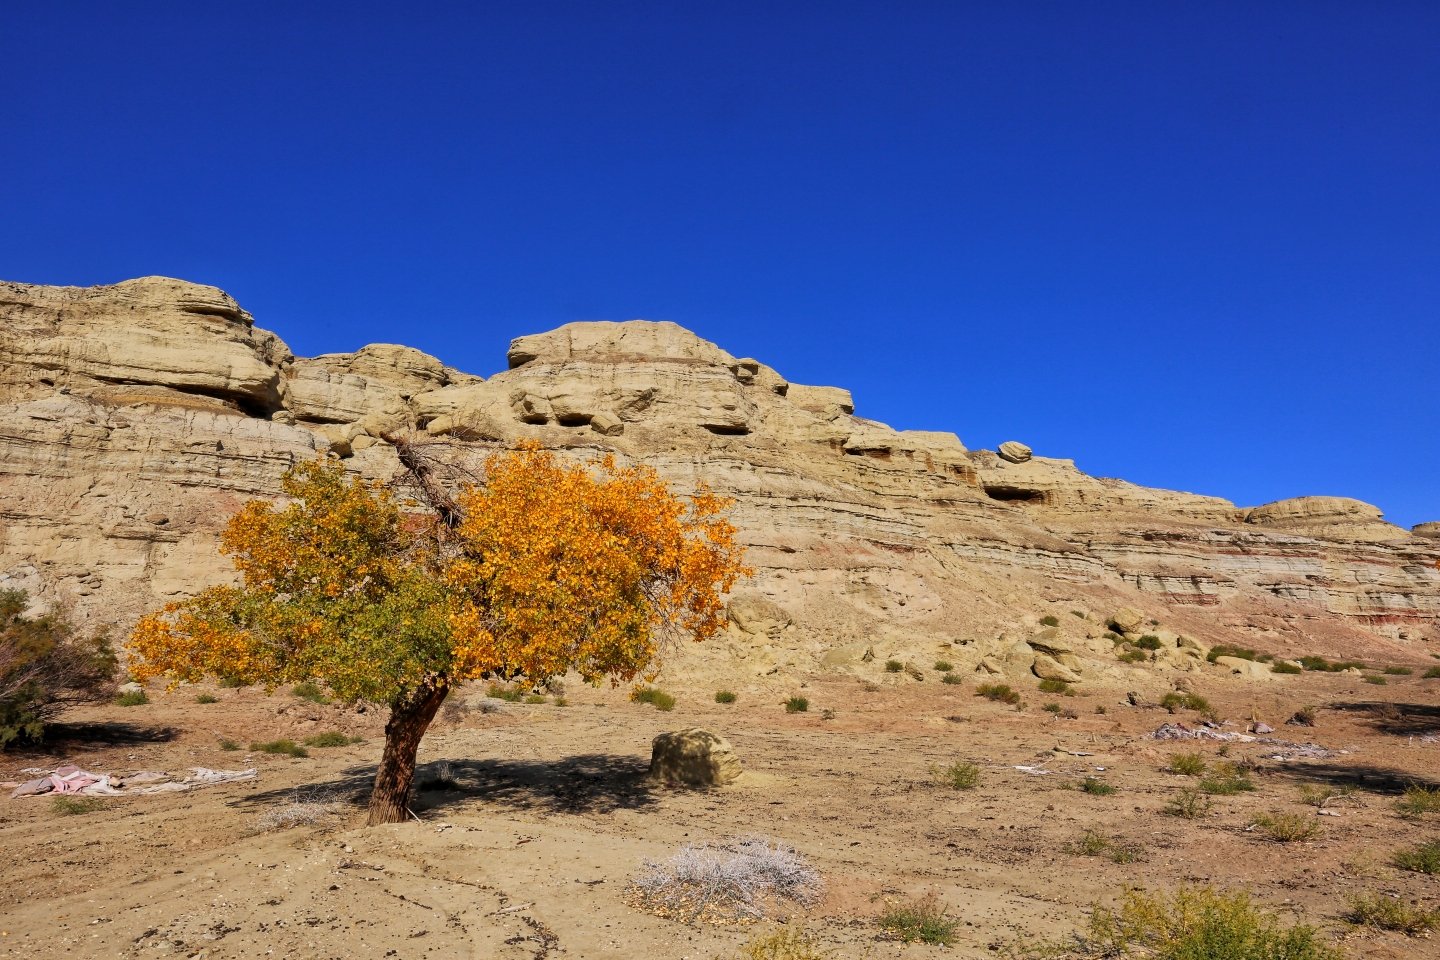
column 1048, row 668
column 1014, row 451
column 1127, row 619
column 694, row 756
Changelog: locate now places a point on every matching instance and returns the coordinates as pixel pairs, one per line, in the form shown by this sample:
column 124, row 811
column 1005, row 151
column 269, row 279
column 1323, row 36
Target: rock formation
column 135, row 418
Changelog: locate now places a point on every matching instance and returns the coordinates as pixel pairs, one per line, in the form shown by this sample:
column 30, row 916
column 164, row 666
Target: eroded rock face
column 157, row 398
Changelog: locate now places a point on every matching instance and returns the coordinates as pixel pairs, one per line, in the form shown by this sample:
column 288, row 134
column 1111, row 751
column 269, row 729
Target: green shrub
column 1051, row 708
column 1399, row 671
column 658, row 699
column 724, row 696
column 1229, row 650
column 310, row 692
column 1148, row 642
column 1378, row 681
column 1097, row 787
column 1288, row 827
column 1092, row 844
column 535, row 698
column 1174, row 700
column 1315, row 663
column 228, row 744
column 206, row 698
column 230, row 683
column 1187, row 764
column 561, row 702
column 1418, row 801
column 922, row 920
column 1133, row 656
column 797, row 705
column 1391, row 913
column 1285, row 666
column 1100, row 708
column 1425, row 858
column 1190, row 804
column 951, row 678
column 1056, row 686
column 893, row 666
column 332, row 738
column 1319, row 796
column 1050, row 621
column 1114, row 637
column 998, row 692
column 1347, row 665
column 959, row 775
column 70, row 806
column 132, row 698
column 943, row 666
column 1201, row 924
column 286, row 747
column 508, row 694
column 1077, row 613
column 1226, row 780
column 1431, row 674
column 45, row 668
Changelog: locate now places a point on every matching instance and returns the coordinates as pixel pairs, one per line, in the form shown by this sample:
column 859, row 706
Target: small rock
column 132, row 687
column 1264, row 728
column 914, row 671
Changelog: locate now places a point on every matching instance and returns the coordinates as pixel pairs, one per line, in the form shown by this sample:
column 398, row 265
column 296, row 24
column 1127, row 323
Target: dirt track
column 528, row 854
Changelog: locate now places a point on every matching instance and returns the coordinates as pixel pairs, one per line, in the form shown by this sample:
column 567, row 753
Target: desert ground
column 525, row 851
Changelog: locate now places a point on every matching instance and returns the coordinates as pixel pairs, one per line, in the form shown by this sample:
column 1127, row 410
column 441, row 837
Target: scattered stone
column 693, row 756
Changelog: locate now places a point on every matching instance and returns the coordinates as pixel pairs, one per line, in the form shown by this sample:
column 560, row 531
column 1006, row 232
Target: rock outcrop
column 135, row 418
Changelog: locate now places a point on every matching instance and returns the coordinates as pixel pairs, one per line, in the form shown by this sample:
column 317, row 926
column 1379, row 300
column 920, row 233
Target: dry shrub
column 1289, row 827
column 922, row 920
column 725, row 880
column 1201, row 924
column 301, row 810
column 1418, row 801
column 959, row 775
column 783, row 945
column 1425, row 858
column 1391, row 913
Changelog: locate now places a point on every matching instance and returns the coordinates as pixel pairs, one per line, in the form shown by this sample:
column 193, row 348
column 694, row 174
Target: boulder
column 914, row 671
column 607, row 424
column 1047, row 668
column 694, row 756
column 1014, row 451
column 990, row 665
column 1051, row 642
column 1248, row 669
column 1127, row 619
column 758, row 615
column 842, row 656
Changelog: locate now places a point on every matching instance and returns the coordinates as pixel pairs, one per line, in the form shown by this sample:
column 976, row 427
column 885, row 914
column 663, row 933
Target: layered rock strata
column 135, row 418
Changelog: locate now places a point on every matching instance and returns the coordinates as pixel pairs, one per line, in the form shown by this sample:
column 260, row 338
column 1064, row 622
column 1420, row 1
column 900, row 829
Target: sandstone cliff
column 134, row 418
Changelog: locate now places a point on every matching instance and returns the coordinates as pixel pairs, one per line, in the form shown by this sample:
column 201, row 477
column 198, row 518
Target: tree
column 545, row 567
column 45, row 668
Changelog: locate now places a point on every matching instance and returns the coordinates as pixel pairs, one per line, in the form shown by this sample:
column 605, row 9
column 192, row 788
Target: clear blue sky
column 1194, row 245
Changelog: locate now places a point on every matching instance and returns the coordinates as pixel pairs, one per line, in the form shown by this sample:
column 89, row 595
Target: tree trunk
column 409, row 720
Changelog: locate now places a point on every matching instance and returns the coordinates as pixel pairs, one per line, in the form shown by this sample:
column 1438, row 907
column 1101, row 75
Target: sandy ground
column 529, row 853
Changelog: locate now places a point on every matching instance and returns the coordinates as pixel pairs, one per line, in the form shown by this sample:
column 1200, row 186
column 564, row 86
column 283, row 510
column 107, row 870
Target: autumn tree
column 545, row 566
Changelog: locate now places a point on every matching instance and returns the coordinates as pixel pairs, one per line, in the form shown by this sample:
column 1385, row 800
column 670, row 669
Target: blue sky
column 1194, row 245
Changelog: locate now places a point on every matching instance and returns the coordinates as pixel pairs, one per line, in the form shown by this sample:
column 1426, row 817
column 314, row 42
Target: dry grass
column 1288, row 827
column 1425, row 858
column 301, row 810
column 1189, row 804
column 1200, row 924
column 923, row 920
column 1418, row 801
column 783, row 945
column 725, row 880
column 1391, row 913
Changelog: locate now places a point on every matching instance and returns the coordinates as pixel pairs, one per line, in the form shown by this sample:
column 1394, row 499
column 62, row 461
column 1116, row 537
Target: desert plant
column 1051, row 708
column 1418, row 801
column 729, row 878
column 1342, row 666
column 797, row 705
column 1187, row 764
column 132, row 698
column 1378, row 681
column 943, row 666
column 1318, row 796
column 1189, row 804
column 45, row 668
column 1226, row 780
column 871, row 687
column 893, row 666
column 1430, row 674
column 1288, row 827
column 1200, row 924
column 1391, row 913
column 1077, row 613
column 782, row 944
column 286, row 747
column 1315, row 663
column 331, row 738
column 998, row 692
column 1100, row 708
column 951, row 678
column 440, row 777
column 228, row 744
column 724, row 696
column 1097, row 787
column 301, row 810
column 548, row 566
column 1285, row 666
column 70, row 806
column 960, row 775
column 508, row 694
column 310, row 692
column 827, row 714
column 1056, row 686
column 535, row 698
column 1425, row 858
column 1092, row 844
column 1230, row 650
column 1050, row 621
column 1304, row 717
column 923, row 920
column 561, row 702
column 206, row 698
column 1133, row 656
column 230, row 683
column 1148, row 642
column 1399, row 671
column 658, row 699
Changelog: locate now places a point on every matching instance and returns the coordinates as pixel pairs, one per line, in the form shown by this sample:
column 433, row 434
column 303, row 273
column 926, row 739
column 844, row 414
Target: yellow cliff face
column 136, row 417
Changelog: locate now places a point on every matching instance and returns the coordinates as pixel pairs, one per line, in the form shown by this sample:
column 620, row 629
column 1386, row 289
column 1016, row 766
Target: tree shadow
column 1388, row 781
column 61, row 738
column 1396, row 719
column 586, row 783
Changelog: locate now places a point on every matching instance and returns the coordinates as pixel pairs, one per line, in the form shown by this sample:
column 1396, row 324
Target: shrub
column 1056, row 686
column 951, row 678
column 442, row 777
column 1114, row 637
column 1092, row 844
column 1226, row 780
column 1431, row 674
column 1304, row 717
column 893, row 666
column 1288, row 827
column 44, row 668
column 1052, row 708
column 783, row 945
column 1190, row 804
column 1425, row 858
column 301, row 810
column 231, row 683
column 959, row 775
column 228, row 744
column 943, row 666
column 1174, row 700
column 1319, row 796
column 1050, row 621
column 998, row 692
column 70, row 806
column 510, row 694
column 1285, row 666
column 1077, row 613
column 1201, row 924
column 1187, row 764
column 1133, row 656
column 132, row 698
column 310, row 692
column 1100, row 708
column 561, row 702
column 1378, row 681
column 797, row 705
column 658, row 699
column 286, row 747
column 724, row 696
column 1148, row 642
column 1418, row 801
column 206, row 698
column 1399, row 671
column 535, row 698
column 1230, row 650
column 1315, row 663
column 1097, row 787
column 922, row 920
column 1391, row 913
column 1346, row 665
column 871, row 687
column 717, row 879
column 331, row 738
